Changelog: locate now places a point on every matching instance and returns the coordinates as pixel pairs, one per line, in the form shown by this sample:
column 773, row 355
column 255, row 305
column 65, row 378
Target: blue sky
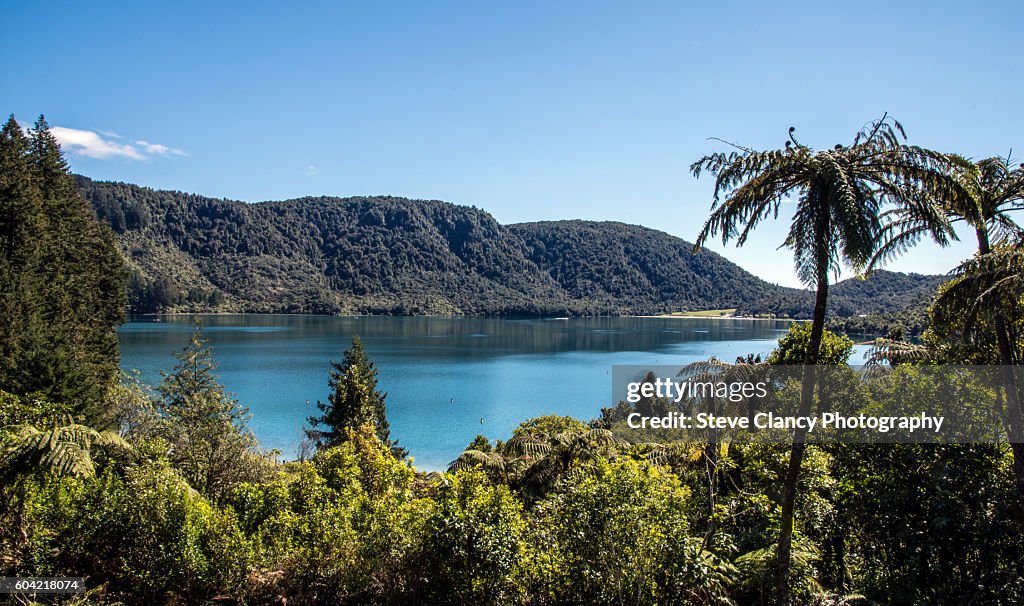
column 530, row 110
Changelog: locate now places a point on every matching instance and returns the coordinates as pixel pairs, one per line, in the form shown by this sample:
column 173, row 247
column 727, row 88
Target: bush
column 472, row 551
column 148, row 537
column 336, row 529
column 616, row 533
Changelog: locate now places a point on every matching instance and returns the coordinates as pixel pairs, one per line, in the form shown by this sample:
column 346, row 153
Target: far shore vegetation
column 704, row 313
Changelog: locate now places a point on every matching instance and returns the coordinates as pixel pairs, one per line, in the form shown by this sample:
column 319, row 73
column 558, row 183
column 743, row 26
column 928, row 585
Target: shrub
column 148, row 537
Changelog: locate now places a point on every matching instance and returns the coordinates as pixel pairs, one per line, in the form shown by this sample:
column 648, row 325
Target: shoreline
column 132, row 317
column 699, row 317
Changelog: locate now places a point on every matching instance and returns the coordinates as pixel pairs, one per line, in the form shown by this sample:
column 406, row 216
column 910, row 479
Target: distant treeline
column 386, row 255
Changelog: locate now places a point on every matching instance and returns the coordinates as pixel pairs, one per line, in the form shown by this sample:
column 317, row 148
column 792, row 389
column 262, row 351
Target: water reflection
column 464, row 337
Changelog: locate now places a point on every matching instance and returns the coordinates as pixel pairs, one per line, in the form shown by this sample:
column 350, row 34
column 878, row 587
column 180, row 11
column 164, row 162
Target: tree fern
column 840, row 196
column 64, row 450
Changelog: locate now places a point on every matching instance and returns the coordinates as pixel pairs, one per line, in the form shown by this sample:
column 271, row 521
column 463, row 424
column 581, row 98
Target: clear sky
column 530, row 110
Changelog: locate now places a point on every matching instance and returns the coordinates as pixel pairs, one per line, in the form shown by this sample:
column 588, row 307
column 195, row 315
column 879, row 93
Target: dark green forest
column 397, row 256
column 162, row 494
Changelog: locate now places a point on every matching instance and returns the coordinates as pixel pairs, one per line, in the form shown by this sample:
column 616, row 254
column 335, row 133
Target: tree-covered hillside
column 882, row 302
column 319, row 255
column 629, row 267
column 398, row 256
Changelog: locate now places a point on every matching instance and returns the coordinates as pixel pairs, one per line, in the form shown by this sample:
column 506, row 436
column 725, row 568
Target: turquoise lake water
column 447, row 379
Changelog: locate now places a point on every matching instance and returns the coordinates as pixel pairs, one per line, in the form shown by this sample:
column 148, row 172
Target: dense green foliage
column 621, row 268
column 617, row 524
column 399, row 256
column 833, row 350
column 62, row 289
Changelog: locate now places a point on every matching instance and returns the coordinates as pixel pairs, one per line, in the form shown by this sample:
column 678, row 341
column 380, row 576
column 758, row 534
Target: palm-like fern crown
column 981, row 194
column 893, row 352
column 840, row 194
column 984, row 195
column 992, row 283
column 991, row 189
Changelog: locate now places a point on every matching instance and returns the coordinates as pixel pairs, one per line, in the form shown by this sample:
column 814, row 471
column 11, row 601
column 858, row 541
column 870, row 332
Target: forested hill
column 884, row 293
column 398, row 256
column 633, row 267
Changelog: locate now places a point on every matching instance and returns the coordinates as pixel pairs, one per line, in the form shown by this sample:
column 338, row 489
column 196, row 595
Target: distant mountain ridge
column 388, row 255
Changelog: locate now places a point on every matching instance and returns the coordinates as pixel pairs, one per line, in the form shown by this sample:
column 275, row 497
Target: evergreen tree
column 355, row 400
column 62, row 280
column 21, row 219
column 85, row 286
column 204, row 427
column 19, row 204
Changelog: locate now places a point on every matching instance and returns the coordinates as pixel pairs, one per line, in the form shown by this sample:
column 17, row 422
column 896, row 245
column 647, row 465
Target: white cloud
column 159, row 150
column 98, row 144
column 92, row 145
column 311, row 170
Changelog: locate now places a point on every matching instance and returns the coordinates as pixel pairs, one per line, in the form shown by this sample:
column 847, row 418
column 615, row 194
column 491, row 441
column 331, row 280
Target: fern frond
column 65, row 450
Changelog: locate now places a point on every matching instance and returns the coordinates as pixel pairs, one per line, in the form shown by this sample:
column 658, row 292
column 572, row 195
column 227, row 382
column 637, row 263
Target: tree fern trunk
column 1015, row 419
column 1015, row 423
column 796, row 454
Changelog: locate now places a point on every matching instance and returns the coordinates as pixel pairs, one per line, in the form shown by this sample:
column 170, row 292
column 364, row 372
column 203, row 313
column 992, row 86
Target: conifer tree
column 62, row 280
column 355, row 400
column 19, row 204
column 204, row 427
column 20, row 224
column 86, row 281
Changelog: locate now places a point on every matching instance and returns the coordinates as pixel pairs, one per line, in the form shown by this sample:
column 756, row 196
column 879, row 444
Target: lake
column 447, row 379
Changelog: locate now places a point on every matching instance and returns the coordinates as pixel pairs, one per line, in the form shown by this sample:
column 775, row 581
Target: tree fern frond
column 529, row 445
column 471, row 459
column 984, row 283
column 61, row 450
column 888, row 351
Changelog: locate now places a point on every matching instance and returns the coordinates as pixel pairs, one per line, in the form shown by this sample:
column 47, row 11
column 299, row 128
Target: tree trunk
column 841, row 568
column 1018, row 468
column 1015, row 419
column 1015, row 416
column 712, row 455
column 796, row 454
